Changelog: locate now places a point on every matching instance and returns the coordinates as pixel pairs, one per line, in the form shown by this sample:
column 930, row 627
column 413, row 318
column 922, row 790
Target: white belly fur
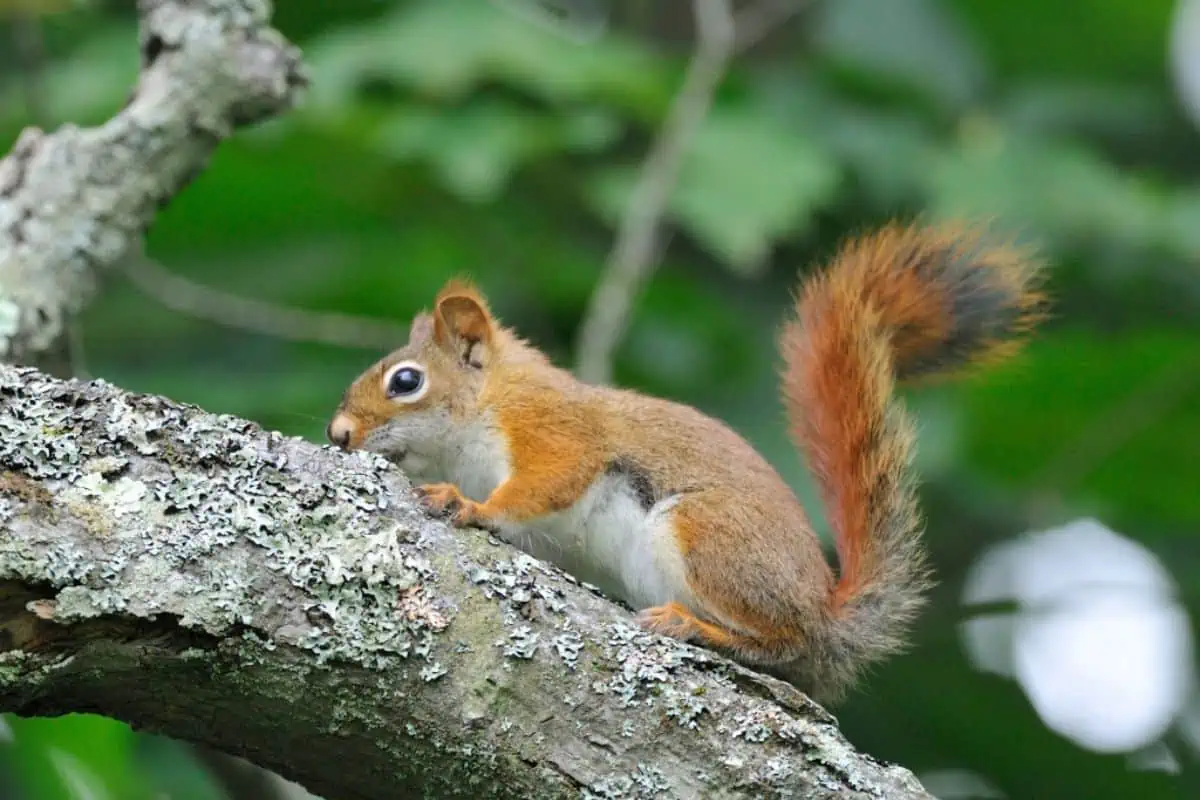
column 607, row 538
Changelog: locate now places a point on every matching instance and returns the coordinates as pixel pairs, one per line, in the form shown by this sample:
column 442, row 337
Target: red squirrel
column 672, row 511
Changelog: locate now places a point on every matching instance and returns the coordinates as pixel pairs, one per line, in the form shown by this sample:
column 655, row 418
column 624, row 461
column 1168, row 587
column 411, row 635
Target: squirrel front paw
column 445, row 499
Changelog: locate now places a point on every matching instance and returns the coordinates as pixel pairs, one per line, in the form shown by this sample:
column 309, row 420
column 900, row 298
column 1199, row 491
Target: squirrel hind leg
column 741, row 605
column 679, row 622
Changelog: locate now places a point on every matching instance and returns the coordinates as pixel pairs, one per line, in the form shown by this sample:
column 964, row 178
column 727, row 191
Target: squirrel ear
column 462, row 323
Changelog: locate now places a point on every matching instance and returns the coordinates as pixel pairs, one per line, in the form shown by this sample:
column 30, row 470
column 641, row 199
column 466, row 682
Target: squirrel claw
column 439, row 498
column 444, row 499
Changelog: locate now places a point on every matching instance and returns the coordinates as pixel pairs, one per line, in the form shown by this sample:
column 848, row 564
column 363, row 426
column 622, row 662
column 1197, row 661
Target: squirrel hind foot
column 678, row 622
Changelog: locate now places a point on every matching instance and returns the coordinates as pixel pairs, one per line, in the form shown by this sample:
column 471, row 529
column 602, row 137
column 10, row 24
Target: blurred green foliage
column 451, row 136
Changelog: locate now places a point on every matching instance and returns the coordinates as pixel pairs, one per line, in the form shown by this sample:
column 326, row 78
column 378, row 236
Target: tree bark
column 78, row 200
column 196, row 576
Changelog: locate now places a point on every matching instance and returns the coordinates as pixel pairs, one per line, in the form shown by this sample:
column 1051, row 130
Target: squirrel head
column 406, row 405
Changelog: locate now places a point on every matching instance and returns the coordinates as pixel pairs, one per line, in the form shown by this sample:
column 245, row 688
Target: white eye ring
column 406, row 395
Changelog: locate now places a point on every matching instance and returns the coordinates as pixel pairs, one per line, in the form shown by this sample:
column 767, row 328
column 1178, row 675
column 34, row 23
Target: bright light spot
column 1105, row 672
column 1100, row 645
column 988, row 638
column 6, row 731
column 1185, row 55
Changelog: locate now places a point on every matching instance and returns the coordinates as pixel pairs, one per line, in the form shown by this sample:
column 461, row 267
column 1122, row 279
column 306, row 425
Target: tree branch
column 223, row 308
column 74, row 202
column 198, row 577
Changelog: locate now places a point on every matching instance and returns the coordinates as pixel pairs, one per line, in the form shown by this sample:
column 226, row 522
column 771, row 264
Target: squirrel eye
column 406, row 382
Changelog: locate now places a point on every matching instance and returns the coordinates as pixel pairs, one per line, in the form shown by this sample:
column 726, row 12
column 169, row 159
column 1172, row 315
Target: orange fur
column 683, row 512
column 555, row 458
column 762, row 624
column 676, row 621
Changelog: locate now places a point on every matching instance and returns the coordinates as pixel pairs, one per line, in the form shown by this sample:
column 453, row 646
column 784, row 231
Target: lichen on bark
column 298, row 594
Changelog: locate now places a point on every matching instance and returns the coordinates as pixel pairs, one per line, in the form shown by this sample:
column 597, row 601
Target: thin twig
column 188, row 297
column 633, row 257
column 630, row 261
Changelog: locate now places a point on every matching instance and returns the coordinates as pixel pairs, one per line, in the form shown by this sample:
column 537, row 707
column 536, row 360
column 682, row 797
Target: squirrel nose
column 340, row 430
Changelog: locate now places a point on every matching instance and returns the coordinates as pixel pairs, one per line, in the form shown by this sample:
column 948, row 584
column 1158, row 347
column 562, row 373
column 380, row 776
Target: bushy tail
column 901, row 303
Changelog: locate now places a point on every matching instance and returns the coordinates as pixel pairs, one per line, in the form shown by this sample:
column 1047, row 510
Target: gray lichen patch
column 593, row 654
column 12, row 667
column 181, row 509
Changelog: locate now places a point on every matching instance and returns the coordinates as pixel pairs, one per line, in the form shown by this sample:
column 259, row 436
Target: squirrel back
column 900, row 304
column 672, row 511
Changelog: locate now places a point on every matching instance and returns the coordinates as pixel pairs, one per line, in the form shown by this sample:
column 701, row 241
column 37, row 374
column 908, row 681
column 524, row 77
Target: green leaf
column 448, row 48
column 887, row 151
column 475, row 149
column 1060, row 188
column 745, row 183
column 748, row 182
column 1181, row 223
column 589, row 129
column 576, row 20
column 1066, row 107
column 1061, row 192
column 917, row 42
